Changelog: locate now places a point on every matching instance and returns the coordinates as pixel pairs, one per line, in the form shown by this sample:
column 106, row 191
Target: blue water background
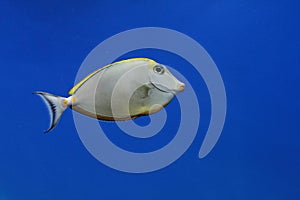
column 255, row 45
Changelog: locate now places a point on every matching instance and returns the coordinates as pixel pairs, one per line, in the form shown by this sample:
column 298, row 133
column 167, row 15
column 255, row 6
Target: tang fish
column 122, row 90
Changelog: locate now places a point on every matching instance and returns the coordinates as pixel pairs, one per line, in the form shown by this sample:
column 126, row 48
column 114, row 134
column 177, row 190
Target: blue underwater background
column 255, row 45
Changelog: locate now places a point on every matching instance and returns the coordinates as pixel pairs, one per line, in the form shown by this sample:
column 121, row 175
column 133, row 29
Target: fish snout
column 180, row 87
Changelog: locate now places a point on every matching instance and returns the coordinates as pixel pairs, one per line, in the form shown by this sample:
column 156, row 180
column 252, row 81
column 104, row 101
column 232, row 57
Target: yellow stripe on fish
column 105, row 67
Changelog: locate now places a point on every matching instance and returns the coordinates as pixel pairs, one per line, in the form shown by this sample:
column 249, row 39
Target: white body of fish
column 120, row 91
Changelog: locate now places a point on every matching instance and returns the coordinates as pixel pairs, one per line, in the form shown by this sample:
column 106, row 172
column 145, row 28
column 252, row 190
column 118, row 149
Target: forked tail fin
column 56, row 106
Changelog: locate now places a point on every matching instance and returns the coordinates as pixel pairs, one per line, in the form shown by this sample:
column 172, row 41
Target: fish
column 123, row 90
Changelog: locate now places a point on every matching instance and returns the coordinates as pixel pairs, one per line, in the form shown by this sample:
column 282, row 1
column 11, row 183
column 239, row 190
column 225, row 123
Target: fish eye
column 159, row 69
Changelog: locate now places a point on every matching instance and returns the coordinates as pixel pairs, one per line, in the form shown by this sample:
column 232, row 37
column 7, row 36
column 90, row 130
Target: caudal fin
column 56, row 106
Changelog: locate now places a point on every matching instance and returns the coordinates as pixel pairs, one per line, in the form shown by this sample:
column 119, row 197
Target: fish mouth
column 161, row 88
column 166, row 90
